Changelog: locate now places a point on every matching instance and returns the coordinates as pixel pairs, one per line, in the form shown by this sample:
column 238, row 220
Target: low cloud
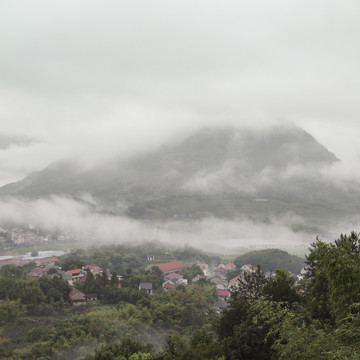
column 81, row 219
column 231, row 177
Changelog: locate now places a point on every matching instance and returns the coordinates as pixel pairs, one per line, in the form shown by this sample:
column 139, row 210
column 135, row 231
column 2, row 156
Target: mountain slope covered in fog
column 222, row 172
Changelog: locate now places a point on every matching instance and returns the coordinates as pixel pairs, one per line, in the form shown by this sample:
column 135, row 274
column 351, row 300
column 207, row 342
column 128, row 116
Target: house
column 234, row 282
column 95, row 270
column 48, row 261
column 223, row 293
column 182, row 282
column 68, row 277
column 220, row 271
column 168, row 285
column 147, row 287
column 36, row 273
column 171, row 267
column 230, row 266
column 197, row 278
column 220, row 275
column 216, row 280
column 76, row 274
column 248, row 268
column 220, row 305
column 76, row 297
column 91, row 297
column 175, row 277
column 14, row 261
column 222, row 286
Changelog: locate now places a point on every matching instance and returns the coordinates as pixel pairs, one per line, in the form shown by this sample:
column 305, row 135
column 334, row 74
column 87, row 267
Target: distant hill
column 221, row 172
column 271, row 259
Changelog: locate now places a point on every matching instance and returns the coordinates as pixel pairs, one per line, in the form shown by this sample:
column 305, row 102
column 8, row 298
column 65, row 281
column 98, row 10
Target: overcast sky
column 103, row 77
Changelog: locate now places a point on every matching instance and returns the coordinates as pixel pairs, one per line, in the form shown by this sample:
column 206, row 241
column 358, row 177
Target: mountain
column 221, row 172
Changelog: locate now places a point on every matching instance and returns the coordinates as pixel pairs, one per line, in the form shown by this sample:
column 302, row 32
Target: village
column 48, row 266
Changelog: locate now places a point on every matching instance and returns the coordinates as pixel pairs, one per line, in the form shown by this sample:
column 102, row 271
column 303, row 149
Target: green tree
column 339, row 265
column 281, row 287
column 189, row 272
column 251, row 286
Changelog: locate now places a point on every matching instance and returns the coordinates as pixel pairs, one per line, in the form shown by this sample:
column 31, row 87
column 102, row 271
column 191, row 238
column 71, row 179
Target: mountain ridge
column 217, row 172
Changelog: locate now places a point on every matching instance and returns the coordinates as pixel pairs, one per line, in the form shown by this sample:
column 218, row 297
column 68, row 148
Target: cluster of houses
column 217, row 275
column 29, row 235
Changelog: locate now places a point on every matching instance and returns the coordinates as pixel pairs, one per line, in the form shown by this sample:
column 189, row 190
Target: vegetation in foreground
column 267, row 317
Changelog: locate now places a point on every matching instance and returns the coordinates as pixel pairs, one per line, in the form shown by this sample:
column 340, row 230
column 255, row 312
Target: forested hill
column 271, row 259
column 221, row 172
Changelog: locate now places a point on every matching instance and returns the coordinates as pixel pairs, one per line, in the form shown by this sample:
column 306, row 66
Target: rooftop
column 171, row 266
column 146, row 286
column 222, row 292
column 75, row 271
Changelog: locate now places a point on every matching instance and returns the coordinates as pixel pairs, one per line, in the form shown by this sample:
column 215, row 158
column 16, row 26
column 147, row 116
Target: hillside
column 221, row 172
column 271, row 260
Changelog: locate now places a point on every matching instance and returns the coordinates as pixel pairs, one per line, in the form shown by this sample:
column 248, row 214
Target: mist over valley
column 225, row 188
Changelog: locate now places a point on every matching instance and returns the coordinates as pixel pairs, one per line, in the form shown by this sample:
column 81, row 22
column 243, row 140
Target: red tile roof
column 171, row 266
column 223, row 292
column 74, row 291
column 75, row 271
column 230, row 264
column 91, row 267
column 77, row 294
column 173, row 276
column 15, row 261
column 51, row 259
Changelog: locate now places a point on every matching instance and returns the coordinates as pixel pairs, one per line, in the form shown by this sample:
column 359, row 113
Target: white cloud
column 80, row 218
column 99, row 78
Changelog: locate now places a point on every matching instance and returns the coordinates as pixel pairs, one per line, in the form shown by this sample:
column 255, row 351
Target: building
column 68, row 277
column 91, row 297
column 76, row 274
column 95, row 270
column 220, row 305
column 76, row 297
column 37, row 273
column 173, row 276
column 48, row 261
column 171, row 267
column 147, row 287
column 168, row 285
column 230, row 266
column 234, row 282
column 223, row 293
column 249, row 268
